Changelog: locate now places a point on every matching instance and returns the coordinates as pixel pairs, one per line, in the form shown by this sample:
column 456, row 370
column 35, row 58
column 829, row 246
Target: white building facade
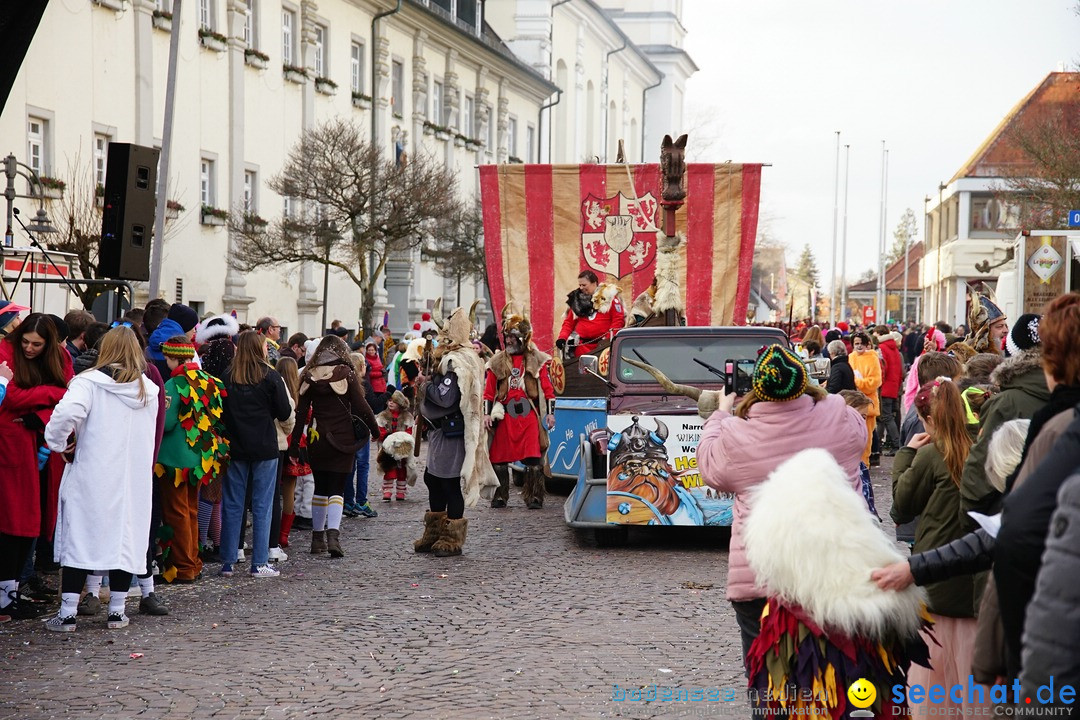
column 254, row 74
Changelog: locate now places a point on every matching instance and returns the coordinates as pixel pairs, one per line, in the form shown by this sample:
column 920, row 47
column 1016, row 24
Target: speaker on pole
column 127, row 221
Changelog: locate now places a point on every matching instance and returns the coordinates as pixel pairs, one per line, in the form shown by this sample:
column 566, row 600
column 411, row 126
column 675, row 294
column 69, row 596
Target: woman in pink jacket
column 781, row 416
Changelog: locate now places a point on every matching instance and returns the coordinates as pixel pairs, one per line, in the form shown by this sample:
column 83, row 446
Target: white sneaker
column 240, row 557
column 278, row 555
column 264, row 571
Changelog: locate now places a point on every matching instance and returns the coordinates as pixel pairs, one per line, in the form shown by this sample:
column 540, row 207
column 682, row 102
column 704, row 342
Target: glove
column 43, row 454
column 561, row 344
column 32, row 422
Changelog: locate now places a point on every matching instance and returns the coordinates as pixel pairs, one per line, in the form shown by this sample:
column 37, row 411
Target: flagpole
column 881, row 238
column 843, row 244
column 835, row 212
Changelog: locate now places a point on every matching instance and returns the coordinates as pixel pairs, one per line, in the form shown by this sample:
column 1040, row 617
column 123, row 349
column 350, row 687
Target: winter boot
column 433, row 524
column 318, row 542
column 333, row 544
column 502, row 494
column 387, row 487
column 286, row 528
column 401, row 486
column 453, row 538
column 533, row 491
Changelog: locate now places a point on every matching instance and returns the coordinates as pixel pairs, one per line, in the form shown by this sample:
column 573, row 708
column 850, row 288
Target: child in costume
column 395, row 418
column 194, row 453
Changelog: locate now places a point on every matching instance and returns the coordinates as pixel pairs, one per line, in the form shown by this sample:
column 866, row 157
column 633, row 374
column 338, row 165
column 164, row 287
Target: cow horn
column 436, row 312
column 674, row 388
column 472, row 312
column 661, row 429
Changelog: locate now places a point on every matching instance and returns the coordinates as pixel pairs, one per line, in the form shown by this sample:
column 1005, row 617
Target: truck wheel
column 611, row 537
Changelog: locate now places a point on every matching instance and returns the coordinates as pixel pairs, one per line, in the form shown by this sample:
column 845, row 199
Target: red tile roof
column 894, row 274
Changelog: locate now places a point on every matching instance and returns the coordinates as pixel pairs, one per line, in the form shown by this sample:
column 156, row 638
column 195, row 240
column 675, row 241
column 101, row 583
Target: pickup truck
column 639, row 466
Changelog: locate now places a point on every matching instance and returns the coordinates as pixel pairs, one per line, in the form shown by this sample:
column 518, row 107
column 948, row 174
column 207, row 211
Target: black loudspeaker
column 127, row 221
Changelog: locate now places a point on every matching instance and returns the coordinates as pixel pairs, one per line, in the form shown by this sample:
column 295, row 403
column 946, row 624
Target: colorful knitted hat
column 779, row 375
column 1024, row 335
column 178, row 350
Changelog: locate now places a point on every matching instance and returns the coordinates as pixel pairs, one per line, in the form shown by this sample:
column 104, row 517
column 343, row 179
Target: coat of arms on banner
column 618, row 234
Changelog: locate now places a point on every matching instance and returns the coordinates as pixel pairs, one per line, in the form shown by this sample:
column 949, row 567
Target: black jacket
column 964, row 556
column 841, row 376
column 1021, row 541
column 250, row 412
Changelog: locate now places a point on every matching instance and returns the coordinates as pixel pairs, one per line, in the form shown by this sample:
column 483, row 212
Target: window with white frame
column 320, row 51
column 35, row 144
column 206, row 182
column 206, row 14
column 286, row 206
column 530, row 142
column 101, row 156
column 251, row 38
column 397, row 86
column 251, row 186
column 511, row 136
column 468, row 127
column 356, row 65
column 288, row 37
column 437, row 102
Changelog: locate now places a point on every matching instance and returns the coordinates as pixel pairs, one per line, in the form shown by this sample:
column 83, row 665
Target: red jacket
column 598, row 326
column 20, row 480
column 893, row 373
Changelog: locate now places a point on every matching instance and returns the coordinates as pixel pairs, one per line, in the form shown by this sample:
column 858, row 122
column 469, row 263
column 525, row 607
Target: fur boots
column 453, row 538
column 318, row 542
column 502, row 494
column 533, row 491
column 333, row 544
column 433, row 529
column 286, row 528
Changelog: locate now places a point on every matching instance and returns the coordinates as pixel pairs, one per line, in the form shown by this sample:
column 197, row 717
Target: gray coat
column 1051, row 645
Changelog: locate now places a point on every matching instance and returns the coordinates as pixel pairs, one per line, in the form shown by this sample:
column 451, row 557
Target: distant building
column 966, row 223
column 864, row 293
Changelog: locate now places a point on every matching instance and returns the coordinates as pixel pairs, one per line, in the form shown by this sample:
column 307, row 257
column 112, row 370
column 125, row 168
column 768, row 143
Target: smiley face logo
column 862, row 693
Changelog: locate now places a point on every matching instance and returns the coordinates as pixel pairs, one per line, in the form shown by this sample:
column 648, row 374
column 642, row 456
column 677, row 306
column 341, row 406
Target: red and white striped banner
column 544, row 224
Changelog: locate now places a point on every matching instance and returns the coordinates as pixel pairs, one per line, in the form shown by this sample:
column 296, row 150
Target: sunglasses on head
column 120, row 323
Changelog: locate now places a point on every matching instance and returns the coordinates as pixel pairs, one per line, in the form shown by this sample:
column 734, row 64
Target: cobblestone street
column 533, row 621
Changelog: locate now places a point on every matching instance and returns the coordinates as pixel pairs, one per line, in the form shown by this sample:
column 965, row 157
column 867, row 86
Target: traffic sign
column 1074, row 218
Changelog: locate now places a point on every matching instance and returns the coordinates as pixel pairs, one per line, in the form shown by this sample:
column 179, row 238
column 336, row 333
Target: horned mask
column 517, row 330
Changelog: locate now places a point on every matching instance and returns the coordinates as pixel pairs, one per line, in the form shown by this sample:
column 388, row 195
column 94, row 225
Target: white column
column 236, row 297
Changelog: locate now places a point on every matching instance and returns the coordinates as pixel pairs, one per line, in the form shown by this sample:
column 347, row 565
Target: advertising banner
column 653, row 477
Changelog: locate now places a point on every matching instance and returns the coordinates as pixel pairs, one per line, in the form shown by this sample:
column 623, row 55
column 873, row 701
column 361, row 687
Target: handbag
column 360, row 430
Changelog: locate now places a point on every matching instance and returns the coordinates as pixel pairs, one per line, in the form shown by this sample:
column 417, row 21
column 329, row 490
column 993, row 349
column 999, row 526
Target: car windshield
column 674, row 356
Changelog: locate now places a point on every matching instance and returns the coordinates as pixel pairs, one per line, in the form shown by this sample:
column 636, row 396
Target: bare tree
column 359, row 209
column 1043, row 184
column 457, row 248
column 906, row 231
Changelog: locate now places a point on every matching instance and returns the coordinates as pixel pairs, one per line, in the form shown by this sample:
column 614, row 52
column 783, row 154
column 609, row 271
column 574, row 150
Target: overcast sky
column 932, row 78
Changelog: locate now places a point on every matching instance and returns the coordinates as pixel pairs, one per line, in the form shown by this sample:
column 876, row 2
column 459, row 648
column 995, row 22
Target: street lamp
column 327, row 231
column 40, row 223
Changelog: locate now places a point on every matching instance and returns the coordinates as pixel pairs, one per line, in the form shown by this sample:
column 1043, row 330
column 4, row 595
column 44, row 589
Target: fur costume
column 826, row 623
column 455, row 352
column 604, row 296
column 219, row 326
column 668, row 271
column 396, row 450
column 984, row 313
column 642, row 309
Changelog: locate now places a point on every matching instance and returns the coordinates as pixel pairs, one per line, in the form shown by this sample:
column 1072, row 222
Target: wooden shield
column 558, row 374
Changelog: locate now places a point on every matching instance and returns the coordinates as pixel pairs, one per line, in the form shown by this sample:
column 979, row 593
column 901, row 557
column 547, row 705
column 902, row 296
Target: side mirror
column 588, row 364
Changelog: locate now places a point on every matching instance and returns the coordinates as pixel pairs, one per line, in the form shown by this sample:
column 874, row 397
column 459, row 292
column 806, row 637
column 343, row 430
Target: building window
column 511, row 137
column 357, row 68
column 438, row 103
column 101, row 155
column 288, row 41
column 530, row 142
column 320, row 51
column 251, row 186
column 35, row 144
column 397, row 84
column 250, row 24
column 206, row 14
column 206, row 182
column 286, row 206
column 468, row 127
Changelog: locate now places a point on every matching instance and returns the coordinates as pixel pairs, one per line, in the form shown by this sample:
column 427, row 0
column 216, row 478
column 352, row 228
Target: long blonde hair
column 939, row 400
column 290, row 374
column 249, row 365
column 120, row 350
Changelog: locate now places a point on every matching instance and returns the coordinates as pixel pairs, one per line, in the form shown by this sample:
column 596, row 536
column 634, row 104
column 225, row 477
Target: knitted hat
column 399, row 398
column 1024, row 335
column 842, row 326
column 779, row 375
column 184, row 316
column 218, row 326
column 178, row 350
